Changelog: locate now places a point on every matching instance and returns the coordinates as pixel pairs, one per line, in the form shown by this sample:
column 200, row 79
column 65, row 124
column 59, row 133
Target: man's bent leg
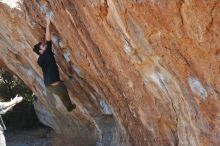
column 61, row 91
column 2, row 140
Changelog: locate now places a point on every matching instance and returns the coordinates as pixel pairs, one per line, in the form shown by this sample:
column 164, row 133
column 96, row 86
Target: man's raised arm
column 48, row 35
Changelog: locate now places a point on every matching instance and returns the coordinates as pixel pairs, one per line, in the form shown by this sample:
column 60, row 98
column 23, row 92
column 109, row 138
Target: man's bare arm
column 8, row 104
column 7, row 109
column 48, row 35
column 13, row 102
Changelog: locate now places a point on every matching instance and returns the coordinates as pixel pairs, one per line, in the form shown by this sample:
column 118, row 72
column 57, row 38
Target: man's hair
column 37, row 48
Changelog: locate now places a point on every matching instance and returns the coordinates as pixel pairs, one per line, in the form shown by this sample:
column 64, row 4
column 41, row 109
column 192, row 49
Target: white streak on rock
column 157, row 78
column 106, row 109
column 55, row 40
column 93, row 97
column 66, row 56
column 50, row 15
column 61, row 44
column 197, row 88
column 43, row 8
column 12, row 3
column 77, row 70
column 127, row 48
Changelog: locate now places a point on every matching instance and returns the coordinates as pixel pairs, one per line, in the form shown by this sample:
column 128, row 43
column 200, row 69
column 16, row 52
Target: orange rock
column 146, row 73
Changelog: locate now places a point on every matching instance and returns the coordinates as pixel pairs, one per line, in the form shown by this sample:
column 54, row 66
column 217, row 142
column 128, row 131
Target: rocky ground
column 37, row 137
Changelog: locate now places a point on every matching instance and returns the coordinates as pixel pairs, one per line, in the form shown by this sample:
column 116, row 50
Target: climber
column 50, row 70
column 5, row 107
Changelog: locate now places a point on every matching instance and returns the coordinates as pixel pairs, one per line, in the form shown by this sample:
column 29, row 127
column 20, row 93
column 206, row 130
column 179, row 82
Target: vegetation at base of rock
column 10, row 85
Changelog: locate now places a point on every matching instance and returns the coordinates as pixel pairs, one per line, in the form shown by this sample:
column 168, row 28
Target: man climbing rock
column 50, row 70
column 5, row 107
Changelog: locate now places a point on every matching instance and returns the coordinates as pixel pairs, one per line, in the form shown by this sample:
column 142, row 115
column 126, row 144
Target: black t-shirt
column 48, row 64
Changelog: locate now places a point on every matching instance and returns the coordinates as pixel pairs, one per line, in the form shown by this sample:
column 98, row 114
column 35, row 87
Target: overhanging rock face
column 144, row 72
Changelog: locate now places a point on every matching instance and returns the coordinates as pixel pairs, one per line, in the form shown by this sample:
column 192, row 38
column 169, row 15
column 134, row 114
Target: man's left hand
column 17, row 99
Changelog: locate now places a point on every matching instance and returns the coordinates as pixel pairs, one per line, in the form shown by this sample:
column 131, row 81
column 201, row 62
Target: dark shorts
column 61, row 91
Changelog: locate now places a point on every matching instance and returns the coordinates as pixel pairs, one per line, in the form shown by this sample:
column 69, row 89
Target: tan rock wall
column 152, row 64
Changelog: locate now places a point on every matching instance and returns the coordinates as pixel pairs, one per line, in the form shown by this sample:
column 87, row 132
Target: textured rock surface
column 152, row 64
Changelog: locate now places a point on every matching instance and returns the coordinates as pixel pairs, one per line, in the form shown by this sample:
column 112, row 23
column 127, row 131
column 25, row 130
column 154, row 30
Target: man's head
column 39, row 48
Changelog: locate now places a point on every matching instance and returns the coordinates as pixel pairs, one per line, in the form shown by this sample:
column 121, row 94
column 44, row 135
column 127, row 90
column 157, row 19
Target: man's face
column 42, row 48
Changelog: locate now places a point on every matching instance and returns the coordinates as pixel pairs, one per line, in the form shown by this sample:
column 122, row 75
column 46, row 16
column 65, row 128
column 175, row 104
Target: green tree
column 10, row 85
